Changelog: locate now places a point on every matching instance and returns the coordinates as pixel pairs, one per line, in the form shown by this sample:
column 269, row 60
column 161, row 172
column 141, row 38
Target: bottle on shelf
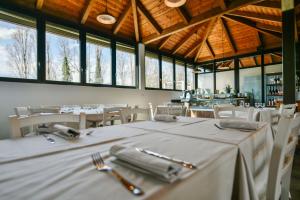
column 270, row 91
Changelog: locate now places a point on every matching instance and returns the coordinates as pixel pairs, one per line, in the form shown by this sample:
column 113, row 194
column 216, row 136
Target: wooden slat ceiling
column 200, row 30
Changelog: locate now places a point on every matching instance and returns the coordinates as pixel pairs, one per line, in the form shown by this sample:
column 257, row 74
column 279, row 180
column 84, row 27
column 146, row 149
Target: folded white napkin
column 238, row 124
column 165, row 118
column 132, row 158
column 66, row 132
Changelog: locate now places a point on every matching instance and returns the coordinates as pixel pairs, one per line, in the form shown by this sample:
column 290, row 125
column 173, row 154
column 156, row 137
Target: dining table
column 230, row 163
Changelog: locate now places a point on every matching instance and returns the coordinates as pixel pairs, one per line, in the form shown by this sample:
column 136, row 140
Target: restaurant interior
column 150, row 99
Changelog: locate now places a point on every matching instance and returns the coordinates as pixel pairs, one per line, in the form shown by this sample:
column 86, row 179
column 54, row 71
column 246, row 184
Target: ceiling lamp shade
column 106, row 18
column 174, row 3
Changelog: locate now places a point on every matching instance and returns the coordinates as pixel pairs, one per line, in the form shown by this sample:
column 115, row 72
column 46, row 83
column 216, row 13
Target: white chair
column 133, row 114
column 272, row 117
column 232, row 112
column 22, row 111
column 44, row 109
column 177, row 110
column 16, row 122
column 282, row 158
column 287, row 110
column 111, row 114
column 151, row 111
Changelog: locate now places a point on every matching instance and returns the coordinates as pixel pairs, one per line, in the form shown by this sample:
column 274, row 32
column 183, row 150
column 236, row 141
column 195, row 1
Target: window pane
column 152, row 70
column 190, row 78
column 125, row 66
column 98, row 61
column 180, row 76
column 223, row 79
column 62, row 55
column 167, row 73
column 206, row 81
column 250, row 82
column 18, row 51
column 273, row 68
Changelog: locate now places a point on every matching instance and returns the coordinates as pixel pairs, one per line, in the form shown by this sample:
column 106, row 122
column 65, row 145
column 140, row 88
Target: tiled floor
column 295, row 182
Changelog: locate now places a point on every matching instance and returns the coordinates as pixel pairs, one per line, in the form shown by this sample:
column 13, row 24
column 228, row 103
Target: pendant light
column 106, row 18
column 174, row 3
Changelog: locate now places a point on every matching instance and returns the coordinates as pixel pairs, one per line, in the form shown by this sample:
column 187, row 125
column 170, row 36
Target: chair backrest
column 231, row 111
column 44, row 109
column 270, row 116
column 177, row 110
column 282, row 158
column 287, row 110
column 132, row 114
column 151, row 111
column 111, row 114
column 22, row 111
column 16, row 122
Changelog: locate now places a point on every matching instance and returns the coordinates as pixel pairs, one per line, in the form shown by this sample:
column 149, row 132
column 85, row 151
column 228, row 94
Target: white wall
column 32, row 94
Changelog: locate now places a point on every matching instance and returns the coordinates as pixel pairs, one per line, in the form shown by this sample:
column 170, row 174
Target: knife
column 180, row 162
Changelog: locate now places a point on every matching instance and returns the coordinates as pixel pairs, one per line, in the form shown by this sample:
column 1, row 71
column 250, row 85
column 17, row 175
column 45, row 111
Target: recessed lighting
column 174, row 3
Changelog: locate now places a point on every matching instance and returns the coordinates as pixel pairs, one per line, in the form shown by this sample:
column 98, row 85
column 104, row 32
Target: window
column 167, row 73
column 125, row 70
column 250, row 82
column 98, row 61
column 223, row 79
column 62, row 54
column 18, row 39
column 190, row 78
column 152, row 70
column 206, row 81
column 273, row 68
column 180, row 76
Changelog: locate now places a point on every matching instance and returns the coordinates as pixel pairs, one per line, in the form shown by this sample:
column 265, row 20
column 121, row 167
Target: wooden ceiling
column 200, row 30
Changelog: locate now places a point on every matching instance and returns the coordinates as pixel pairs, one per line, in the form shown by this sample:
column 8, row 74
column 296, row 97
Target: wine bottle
column 270, row 91
column 276, row 91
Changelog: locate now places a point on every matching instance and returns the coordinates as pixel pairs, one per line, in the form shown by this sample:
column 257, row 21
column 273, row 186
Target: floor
column 295, row 182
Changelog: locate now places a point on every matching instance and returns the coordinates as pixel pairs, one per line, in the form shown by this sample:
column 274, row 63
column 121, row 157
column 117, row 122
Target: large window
column 62, row 54
column 250, row 82
column 224, row 79
column 189, row 78
column 98, row 61
column 206, row 81
column 152, row 70
column 180, row 76
column 17, row 47
column 167, row 73
column 125, row 70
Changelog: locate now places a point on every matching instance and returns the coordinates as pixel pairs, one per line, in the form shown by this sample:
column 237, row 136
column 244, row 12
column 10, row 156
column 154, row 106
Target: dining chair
column 44, row 109
column 17, row 122
column 135, row 114
column 271, row 117
column 229, row 111
column 287, row 109
column 151, row 111
column 282, row 157
column 111, row 114
column 22, row 111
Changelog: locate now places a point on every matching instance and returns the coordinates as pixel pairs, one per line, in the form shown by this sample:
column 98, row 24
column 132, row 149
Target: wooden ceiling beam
column 164, row 42
column 269, row 27
column 135, row 20
column 184, row 40
column 209, row 28
column 145, row 12
column 222, row 4
column 122, row 18
column 228, row 34
column 260, row 40
column 255, row 60
column 39, row 4
column 252, row 24
column 204, row 17
column 210, row 49
column 184, row 14
column 86, row 11
column 269, row 4
column 256, row 16
column 241, row 63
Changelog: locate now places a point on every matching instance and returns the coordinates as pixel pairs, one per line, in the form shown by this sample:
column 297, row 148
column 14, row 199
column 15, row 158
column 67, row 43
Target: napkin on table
column 238, row 124
column 66, row 132
column 132, row 158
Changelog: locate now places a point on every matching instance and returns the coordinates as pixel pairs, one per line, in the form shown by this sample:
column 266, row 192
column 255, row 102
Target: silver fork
column 101, row 166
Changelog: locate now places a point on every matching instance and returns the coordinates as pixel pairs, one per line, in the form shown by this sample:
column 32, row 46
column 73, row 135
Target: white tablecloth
column 33, row 168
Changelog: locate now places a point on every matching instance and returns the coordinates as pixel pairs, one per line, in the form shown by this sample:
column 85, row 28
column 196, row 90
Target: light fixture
column 106, row 18
column 174, row 3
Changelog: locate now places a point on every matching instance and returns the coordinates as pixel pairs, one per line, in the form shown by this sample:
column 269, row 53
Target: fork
column 102, row 167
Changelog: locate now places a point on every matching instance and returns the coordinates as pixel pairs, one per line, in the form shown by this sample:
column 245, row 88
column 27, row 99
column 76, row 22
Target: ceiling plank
column 222, row 4
column 252, row 24
column 269, row 4
column 135, row 20
column 86, row 11
column 210, row 49
column 209, row 28
column 255, row 16
column 228, row 35
column 164, row 42
column 184, row 14
column 204, row 17
column 145, row 12
column 122, row 18
column 269, row 27
column 185, row 39
column 241, row 64
column 39, row 4
column 277, row 55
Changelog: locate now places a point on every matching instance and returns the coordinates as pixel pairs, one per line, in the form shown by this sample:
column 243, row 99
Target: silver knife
column 180, row 162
